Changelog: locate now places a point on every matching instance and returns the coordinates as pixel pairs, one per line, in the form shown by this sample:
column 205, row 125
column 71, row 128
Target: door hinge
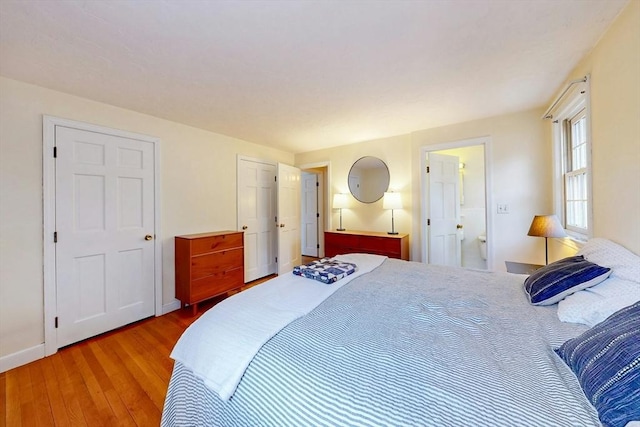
column 317, row 184
column 55, row 237
column 318, row 246
column 427, row 169
column 317, row 214
column 55, row 152
column 275, row 178
column 276, row 259
column 428, row 222
column 56, row 322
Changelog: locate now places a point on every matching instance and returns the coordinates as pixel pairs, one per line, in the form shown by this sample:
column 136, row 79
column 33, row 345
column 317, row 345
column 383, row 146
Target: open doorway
column 454, row 208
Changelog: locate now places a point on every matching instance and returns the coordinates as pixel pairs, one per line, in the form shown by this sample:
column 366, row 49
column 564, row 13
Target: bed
column 397, row 344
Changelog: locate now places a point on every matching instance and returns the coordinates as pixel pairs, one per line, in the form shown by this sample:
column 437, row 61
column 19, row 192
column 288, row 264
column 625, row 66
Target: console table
column 370, row 242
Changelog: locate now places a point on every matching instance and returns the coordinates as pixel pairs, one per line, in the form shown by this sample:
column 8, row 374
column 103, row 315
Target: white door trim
column 486, row 142
column 256, row 159
column 49, row 212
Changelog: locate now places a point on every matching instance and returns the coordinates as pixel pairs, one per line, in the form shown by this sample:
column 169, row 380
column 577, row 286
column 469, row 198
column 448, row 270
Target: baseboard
column 172, row 306
column 21, row 357
column 29, row 355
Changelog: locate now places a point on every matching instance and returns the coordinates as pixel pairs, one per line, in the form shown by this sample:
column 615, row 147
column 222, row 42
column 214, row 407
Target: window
column 571, row 134
column 575, row 174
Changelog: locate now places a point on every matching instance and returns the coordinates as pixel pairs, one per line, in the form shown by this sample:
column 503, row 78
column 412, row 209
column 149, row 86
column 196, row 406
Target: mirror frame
column 388, row 179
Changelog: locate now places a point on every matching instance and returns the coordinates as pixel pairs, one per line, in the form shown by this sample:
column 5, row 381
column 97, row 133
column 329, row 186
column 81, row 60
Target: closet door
column 257, row 215
column 104, row 230
column 289, row 253
column 310, row 214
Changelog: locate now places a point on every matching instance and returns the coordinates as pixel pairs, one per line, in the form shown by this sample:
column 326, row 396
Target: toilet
column 482, row 240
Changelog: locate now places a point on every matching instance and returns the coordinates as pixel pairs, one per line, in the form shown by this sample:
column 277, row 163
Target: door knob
column 148, row 237
column 459, row 226
column 281, row 225
column 244, row 227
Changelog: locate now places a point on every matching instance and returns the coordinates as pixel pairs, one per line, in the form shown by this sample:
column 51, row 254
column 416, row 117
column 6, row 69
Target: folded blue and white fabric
column 326, row 270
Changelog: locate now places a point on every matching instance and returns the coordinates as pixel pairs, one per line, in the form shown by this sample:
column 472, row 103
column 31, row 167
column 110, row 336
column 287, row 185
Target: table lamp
column 340, row 201
column 546, row 226
column 392, row 201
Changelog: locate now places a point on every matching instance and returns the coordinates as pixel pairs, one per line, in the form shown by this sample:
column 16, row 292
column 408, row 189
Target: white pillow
column 623, row 263
column 593, row 305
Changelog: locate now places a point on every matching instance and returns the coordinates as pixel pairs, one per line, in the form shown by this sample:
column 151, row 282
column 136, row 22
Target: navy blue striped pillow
column 606, row 360
column 553, row 282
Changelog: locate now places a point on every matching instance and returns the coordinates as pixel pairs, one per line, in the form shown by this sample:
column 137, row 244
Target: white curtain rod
column 546, row 114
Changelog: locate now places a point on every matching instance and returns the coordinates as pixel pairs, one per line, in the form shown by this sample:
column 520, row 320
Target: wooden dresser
column 208, row 265
column 370, row 242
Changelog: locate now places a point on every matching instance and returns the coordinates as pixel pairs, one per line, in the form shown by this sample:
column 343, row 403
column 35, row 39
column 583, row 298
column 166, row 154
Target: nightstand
column 521, row 267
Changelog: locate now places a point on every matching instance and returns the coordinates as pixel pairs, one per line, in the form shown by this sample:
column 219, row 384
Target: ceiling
column 303, row 75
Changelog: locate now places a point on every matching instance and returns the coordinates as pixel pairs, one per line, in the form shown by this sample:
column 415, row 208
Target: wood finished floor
column 307, row 259
column 119, row 378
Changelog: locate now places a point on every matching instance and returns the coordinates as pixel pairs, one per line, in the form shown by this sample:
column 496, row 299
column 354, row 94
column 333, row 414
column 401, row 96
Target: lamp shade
column 340, row 201
column 546, row 226
column 392, row 201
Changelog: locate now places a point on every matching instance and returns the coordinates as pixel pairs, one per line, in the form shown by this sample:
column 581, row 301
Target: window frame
column 574, row 103
column 570, row 171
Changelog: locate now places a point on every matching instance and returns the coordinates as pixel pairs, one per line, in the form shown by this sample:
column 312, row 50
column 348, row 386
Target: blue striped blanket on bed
column 405, row 345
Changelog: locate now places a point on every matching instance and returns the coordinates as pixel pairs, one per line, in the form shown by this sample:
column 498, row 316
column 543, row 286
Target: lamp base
column 341, row 229
column 392, row 232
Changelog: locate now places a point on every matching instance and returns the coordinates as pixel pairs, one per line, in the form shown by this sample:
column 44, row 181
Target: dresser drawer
column 217, row 262
column 380, row 245
column 336, row 243
column 216, row 284
column 208, row 265
column 342, row 240
column 216, row 243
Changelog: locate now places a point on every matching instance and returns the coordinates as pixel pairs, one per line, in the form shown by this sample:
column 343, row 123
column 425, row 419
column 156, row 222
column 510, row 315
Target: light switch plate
column 503, row 208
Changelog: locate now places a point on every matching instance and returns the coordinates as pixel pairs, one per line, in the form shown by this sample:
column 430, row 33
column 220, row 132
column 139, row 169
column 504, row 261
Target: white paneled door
column 257, row 216
column 310, row 214
column 104, row 221
column 288, row 218
column 444, row 210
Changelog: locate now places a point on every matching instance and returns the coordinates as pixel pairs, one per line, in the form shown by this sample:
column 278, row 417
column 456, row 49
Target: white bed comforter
column 219, row 346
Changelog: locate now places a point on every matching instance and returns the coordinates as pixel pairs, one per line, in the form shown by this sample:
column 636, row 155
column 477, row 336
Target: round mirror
column 368, row 179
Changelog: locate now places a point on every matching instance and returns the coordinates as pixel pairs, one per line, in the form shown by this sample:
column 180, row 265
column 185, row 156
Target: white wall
column 614, row 66
column 521, row 158
column 395, row 152
column 520, row 155
column 198, row 174
column 198, row 183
